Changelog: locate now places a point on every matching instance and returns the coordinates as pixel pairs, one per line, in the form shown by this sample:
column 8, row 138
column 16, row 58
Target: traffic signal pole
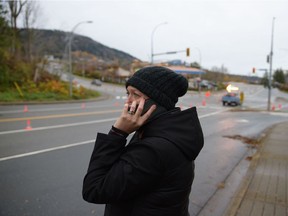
column 174, row 52
column 270, row 69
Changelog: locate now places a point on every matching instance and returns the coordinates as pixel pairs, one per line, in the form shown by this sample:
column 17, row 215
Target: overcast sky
column 236, row 34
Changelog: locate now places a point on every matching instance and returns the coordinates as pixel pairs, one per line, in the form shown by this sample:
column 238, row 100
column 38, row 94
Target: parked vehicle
column 231, row 99
column 96, row 82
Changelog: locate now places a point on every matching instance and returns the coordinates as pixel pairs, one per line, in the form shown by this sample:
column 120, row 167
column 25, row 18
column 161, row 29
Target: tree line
column 18, row 62
column 22, row 67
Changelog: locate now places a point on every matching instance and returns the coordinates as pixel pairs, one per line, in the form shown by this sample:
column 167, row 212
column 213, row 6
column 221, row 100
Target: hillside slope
column 54, row 42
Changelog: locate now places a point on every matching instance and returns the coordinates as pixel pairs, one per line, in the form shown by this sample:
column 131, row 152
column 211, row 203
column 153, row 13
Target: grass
column 14, row 96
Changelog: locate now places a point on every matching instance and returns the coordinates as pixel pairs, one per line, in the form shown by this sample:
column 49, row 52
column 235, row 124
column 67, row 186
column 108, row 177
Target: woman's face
column 134, row 94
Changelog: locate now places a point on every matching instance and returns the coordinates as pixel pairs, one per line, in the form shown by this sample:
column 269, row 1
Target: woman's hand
column 131, row 119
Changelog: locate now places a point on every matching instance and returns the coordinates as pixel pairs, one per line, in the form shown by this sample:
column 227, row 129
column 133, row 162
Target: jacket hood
column 182, row 128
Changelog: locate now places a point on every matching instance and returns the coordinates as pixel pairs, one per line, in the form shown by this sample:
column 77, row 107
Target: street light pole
column 152, row 35
column 270, row 70
column 69, row 54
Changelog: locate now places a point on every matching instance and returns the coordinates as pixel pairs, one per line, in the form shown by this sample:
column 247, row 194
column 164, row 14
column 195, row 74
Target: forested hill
column 54, row 42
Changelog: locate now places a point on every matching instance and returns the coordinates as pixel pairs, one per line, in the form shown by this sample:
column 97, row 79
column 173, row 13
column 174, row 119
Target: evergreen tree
column 279, row 76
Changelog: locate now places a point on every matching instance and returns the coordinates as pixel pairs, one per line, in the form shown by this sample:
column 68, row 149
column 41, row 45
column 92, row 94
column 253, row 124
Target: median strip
column 58, row 116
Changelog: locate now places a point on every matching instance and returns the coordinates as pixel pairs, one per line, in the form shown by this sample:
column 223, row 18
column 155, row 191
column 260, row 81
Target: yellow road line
column 58, row 116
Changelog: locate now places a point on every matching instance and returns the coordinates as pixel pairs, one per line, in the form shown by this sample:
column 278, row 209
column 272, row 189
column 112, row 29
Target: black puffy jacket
column 153, row 174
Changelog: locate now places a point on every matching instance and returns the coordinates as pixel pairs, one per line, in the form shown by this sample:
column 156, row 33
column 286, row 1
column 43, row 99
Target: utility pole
column 270, row 69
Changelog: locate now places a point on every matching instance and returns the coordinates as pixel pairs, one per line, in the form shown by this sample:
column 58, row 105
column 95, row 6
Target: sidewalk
column 264, row 190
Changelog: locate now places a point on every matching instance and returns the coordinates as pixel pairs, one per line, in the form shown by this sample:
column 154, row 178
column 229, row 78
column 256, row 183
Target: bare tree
column 30, row 17
column 15, row 9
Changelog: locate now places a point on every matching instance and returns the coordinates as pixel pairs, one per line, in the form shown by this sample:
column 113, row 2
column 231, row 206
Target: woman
column 153, row 174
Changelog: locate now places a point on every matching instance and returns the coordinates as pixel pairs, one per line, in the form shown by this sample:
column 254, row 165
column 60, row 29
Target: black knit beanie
column 161, row 84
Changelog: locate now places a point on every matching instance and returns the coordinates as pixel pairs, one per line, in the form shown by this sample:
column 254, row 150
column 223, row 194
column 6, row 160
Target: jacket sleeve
column 118, row 173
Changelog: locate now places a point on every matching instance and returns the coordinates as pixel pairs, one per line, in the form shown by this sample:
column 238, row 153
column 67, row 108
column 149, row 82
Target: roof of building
column 186, row 70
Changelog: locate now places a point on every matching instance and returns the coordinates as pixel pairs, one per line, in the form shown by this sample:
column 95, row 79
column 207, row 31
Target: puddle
column 252, row 143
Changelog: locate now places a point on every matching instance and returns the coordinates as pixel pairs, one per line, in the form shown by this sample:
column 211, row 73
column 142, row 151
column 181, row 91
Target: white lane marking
column 211, row 114
column 58, row 126
column 242, row 120
column 46, row 150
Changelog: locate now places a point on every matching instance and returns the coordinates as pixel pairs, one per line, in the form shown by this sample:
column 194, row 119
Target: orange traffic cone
column 207, row 94
column 28, row 127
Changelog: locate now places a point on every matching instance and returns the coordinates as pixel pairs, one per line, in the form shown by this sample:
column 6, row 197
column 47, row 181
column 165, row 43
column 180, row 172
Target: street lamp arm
column 157, row 26
column 74, row 28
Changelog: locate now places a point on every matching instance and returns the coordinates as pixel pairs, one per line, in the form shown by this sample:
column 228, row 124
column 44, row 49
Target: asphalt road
column 45, row 149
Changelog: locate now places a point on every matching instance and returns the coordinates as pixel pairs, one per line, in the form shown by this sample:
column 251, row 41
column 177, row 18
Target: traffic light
column 188, row 52
column 253, row 70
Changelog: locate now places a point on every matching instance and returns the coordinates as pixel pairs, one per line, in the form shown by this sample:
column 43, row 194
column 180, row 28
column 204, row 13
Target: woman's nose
column 129, row 99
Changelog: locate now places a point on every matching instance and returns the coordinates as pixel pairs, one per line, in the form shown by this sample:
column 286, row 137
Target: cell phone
column 159, row 109
column 148, row 103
